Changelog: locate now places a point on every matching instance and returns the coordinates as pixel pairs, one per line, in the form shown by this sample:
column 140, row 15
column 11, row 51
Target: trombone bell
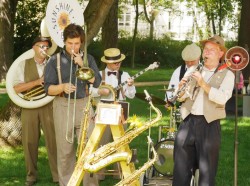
column 85, row 73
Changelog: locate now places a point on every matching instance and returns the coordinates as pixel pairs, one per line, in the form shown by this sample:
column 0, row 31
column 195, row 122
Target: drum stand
column 150, row 174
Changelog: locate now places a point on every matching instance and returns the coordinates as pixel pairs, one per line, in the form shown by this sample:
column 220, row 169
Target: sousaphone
column 37, row 97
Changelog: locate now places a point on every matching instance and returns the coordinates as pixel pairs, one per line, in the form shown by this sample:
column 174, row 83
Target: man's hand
column 68, row 88
column 130, row 81
column 103, row 91
column 78, row 59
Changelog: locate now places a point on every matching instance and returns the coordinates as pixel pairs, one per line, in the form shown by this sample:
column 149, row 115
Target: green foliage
column 27, row 24
column 164, row 50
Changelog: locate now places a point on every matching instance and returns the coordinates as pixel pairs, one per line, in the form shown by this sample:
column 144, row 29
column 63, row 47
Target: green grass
column 12, row 168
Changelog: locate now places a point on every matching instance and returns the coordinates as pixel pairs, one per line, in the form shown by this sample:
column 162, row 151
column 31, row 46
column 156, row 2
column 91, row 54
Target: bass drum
column 165, row 163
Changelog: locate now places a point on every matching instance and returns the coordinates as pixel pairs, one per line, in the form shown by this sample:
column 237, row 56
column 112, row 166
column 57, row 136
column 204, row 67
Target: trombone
column 83, row 73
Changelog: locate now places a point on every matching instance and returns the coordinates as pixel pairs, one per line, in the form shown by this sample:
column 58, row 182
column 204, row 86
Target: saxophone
column 131, row 178
column 102, row 154
column 84, row 127
column 106, row 155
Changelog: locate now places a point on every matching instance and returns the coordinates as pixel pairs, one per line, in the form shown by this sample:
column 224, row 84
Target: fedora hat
column 217, row 40
column 112, row 55
column 191, row 52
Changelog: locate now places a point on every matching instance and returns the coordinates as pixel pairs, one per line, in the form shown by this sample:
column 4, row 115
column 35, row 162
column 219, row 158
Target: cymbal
column 167, row 90
column 155, row 100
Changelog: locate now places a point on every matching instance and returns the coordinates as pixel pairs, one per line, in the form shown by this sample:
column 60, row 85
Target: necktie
column 109, row 73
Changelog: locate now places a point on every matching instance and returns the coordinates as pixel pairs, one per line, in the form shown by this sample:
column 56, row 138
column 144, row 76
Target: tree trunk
column 110, row 28
column 135, row 34
column 95, row 15
column 8, row 10
column 244, row 39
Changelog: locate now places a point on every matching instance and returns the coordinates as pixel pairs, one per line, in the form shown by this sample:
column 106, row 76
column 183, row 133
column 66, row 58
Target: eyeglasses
column 43, row 47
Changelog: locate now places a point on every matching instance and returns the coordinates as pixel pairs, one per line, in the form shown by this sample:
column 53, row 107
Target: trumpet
column 181, row 90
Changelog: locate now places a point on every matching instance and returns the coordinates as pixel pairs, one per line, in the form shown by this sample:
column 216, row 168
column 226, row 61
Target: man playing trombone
column 71, row 98
column 30, row 76
column 197, row 142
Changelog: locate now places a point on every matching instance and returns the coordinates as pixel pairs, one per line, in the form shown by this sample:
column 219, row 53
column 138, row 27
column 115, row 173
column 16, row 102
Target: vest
column 212, row 110
column 30, row 71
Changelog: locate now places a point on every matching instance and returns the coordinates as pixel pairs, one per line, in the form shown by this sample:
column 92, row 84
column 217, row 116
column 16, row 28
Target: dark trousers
column 197, row 145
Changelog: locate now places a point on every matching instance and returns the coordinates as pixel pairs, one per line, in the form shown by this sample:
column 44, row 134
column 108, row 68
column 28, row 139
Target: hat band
column 215, row 41
column 113, row 58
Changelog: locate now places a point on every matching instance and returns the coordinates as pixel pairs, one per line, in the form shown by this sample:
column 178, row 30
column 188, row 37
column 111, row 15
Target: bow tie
column 109, row 73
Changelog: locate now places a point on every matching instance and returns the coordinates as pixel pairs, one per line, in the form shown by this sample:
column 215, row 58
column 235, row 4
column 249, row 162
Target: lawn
column 12, row 169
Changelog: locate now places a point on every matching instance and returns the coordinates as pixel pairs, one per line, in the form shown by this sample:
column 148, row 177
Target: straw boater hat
column 217, row 40
column 112, row 55
column 191, row 52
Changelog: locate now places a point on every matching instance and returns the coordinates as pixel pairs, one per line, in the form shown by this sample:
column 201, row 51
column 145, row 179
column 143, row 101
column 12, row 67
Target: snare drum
column 165, row 163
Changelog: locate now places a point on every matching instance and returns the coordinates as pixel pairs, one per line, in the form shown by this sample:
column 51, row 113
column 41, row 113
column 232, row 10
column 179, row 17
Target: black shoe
column 30, row 183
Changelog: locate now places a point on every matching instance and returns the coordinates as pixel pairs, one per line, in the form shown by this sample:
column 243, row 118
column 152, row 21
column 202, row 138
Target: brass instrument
column 181, row 90
column 33, row 94
column 84, row 73
column 109, row 153
column 131, row 178
column 36, row 97
column 84, row 127
column 103, row 153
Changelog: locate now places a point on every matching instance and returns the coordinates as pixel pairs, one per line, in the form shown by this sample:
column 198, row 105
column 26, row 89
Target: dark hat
column 112, row 55
column 42, row 39
column 217, row 40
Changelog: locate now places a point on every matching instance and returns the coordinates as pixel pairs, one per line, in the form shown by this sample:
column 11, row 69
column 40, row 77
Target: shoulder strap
column 103, row 77
column 59, row 68
column 119, row 82
column 182, row 72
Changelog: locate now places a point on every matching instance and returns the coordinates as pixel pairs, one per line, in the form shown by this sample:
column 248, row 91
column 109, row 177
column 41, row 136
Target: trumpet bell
column 85, row 73
column 237, row 58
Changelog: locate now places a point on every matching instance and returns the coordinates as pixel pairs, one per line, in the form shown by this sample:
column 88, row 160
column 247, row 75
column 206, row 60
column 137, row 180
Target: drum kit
column 165, row 145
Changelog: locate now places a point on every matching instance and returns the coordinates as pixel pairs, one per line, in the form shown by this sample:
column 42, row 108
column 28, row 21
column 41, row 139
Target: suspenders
column 119, row 75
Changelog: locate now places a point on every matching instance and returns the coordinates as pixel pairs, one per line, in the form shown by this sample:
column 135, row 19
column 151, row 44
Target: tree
column 110, row 28
column 244, row 39
column 7, row 16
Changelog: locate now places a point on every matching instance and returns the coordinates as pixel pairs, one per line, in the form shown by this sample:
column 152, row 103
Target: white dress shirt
column 128, row 91
column 219, row 96
column 19, row 78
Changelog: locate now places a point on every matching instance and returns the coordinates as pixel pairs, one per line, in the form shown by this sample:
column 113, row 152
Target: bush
column 164, row 50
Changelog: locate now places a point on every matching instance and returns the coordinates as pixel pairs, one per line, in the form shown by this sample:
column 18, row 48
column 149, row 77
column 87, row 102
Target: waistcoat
column 212, row 111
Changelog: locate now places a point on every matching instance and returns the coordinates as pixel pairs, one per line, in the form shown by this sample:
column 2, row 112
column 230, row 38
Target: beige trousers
column 66, row 151
column 33, row 120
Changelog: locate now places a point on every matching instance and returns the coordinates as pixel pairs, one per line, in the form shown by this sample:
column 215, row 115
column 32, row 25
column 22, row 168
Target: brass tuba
column 36, row 97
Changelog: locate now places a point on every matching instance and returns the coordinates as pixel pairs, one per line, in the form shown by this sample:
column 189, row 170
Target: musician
column 198, row 139
column 30, row 75
column 191, row 55
column 112, row 75
column 57, row 82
